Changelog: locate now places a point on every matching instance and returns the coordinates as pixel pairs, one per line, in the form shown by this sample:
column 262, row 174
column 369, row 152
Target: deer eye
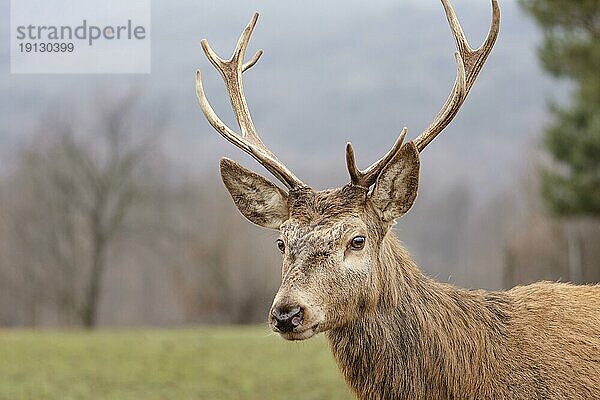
column 357, row 243
column 280, row 245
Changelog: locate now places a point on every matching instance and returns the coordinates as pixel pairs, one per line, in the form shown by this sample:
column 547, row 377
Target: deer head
column 332, row 240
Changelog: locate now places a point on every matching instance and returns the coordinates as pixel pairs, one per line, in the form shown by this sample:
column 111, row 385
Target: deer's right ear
column 396, row 186
column 259, row 200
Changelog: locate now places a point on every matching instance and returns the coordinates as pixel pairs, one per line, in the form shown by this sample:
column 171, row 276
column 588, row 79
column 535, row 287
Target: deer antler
column 231, row 70
column 367, row 177
column 468, row 65
column 469, row 62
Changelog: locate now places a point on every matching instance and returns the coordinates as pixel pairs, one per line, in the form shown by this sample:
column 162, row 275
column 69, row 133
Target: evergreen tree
column 571, row 50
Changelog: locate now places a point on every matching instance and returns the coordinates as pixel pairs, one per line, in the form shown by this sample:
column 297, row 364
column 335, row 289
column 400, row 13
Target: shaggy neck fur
column 414, row 344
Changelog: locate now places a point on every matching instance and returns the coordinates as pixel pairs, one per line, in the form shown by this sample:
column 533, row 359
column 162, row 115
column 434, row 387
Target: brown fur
column 428, row 340
column 397, row 334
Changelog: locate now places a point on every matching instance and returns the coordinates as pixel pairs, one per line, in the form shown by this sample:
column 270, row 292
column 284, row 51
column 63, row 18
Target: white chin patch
column 306, row 334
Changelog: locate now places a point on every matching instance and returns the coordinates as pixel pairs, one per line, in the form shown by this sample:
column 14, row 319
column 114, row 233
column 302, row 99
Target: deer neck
column 423, row 337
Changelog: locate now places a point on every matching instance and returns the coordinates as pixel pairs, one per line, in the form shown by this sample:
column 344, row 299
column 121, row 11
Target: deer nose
column 286, row 318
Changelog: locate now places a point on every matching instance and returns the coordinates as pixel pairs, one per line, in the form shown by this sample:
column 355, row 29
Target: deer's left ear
column 396, row 186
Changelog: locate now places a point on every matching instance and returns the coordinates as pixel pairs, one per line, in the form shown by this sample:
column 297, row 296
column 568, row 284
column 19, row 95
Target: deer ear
column 259, row 200
column 396, row 186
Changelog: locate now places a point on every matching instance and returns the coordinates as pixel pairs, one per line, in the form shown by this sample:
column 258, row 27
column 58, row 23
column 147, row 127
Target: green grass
column 206, row 363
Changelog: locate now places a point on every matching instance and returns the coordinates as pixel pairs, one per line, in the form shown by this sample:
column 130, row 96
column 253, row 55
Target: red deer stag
column 394, row 332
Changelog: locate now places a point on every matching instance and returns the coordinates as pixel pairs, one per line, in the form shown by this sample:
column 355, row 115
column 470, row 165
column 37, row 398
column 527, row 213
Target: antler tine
column 231, row 71
column 367, row 177
column 468, row 65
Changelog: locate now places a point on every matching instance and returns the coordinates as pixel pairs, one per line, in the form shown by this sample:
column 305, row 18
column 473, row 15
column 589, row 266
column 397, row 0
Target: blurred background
column 112, row 213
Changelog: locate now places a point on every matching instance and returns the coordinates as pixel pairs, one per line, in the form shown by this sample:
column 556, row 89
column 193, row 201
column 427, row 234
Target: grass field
column 230, row 363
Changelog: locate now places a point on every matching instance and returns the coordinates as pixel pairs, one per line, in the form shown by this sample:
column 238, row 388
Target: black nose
column 285, row 319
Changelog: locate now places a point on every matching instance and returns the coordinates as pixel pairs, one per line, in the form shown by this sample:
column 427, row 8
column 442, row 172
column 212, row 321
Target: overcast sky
column 332, row 71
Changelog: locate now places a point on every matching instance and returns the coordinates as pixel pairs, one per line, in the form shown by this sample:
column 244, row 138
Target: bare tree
column 98, row 222
column 78, row 186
